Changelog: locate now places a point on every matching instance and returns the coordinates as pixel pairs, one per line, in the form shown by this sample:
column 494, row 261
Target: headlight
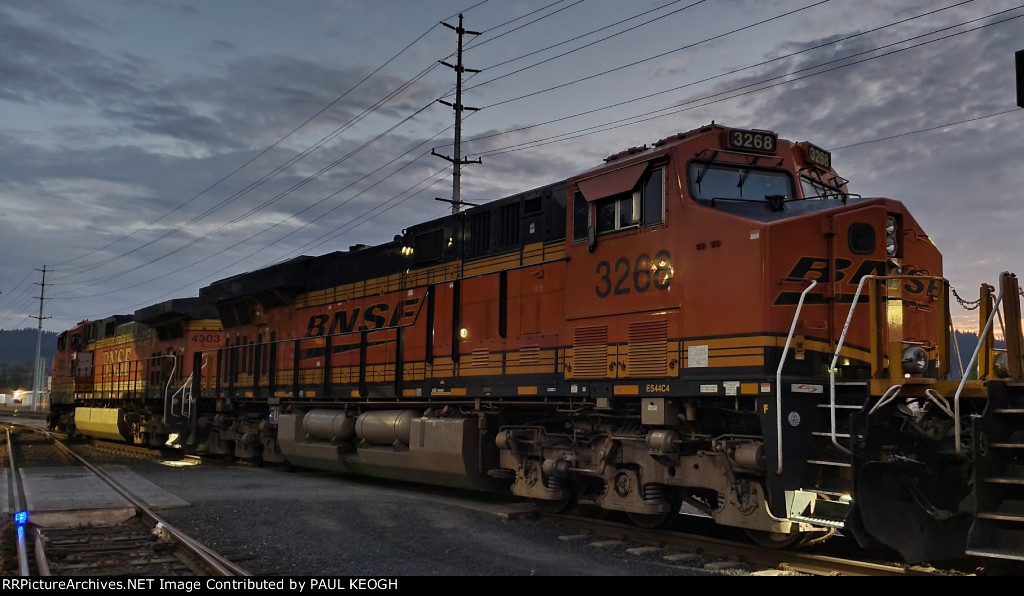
column 1002, row 366
column 890, row 246
column 891, row 232
column 915, row 360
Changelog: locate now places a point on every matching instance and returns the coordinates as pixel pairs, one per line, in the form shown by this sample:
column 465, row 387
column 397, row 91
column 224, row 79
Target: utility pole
column 457, row 160
column 1019, row 56
column 39, row 341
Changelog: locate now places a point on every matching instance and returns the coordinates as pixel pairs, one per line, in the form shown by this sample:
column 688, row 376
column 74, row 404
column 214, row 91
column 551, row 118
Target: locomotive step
column 1008, row 554
column 841, row 406
column 829, row 495
column 828, row 434
column 820, row 521
column 998, row 516
column 1010, row 510
column 837, row 464
column 1008, row 410
column 1011, row 473
column 1004, row 480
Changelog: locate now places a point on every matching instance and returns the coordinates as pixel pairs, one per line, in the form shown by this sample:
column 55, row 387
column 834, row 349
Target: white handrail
column 170, row 396
column 937, row 399
column 974, row 357
column 778, row 374
column 181, row 390
column 170, row 376
column 835, row 359
column 889, row 395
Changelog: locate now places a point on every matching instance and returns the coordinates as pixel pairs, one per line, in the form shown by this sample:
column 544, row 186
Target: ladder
column 998, row 446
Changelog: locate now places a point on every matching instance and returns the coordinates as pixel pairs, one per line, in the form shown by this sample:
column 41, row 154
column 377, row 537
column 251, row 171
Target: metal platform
column 68, row 496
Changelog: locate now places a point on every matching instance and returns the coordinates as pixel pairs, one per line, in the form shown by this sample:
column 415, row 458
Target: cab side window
column 644, row 205
column 580, row 217
column 654, row 197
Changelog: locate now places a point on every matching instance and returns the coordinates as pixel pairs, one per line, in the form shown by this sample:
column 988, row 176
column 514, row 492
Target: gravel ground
column 310, row 523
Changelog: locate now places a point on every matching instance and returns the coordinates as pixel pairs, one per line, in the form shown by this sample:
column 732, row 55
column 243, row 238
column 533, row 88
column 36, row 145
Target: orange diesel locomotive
column 712, row 322
column 129, row 377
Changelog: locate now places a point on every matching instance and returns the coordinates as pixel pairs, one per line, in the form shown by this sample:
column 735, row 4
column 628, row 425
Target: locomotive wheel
column 650, row 521
column 556, row 506
column 776, row 539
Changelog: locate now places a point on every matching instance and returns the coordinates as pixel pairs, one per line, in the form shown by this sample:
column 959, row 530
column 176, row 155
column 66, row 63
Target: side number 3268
column 639, row 275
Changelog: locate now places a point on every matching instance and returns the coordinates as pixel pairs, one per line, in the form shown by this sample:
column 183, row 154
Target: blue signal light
column 21, row 518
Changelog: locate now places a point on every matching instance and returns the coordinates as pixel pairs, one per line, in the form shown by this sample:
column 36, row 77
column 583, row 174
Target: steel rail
column 805, row 562
column 23, row 567
column 217, row 563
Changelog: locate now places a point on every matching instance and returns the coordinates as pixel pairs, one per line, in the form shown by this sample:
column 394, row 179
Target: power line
column 260, row 154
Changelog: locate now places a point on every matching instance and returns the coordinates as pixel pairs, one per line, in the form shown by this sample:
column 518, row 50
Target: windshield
column 814, row 188
column 716, row 181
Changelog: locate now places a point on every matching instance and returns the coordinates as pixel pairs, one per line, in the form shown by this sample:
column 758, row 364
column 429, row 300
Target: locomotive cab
column 730, row 306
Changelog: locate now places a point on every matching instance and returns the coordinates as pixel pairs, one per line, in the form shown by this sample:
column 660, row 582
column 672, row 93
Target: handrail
column 778, row 375
column 170, row 377
column 181, row 391
column 886, row 398
column 186, row 396
column 974, row 358
column 937, row 399
column 956, row 348
column 835, row 359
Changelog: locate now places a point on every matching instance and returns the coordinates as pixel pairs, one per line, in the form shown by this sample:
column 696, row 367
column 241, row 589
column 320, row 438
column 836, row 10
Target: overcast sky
column 150, row 148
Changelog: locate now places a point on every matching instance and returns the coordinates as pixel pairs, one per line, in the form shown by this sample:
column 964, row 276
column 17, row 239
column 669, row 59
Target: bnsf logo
column 375, row 316
column 117, row 356
column 817, row 268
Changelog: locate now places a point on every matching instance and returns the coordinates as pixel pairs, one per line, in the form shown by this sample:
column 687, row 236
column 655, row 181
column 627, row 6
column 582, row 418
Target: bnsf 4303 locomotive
column 711, row 322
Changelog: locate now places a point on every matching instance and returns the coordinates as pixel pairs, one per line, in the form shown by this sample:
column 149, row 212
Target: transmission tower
column 39, row 341
column 456, row 160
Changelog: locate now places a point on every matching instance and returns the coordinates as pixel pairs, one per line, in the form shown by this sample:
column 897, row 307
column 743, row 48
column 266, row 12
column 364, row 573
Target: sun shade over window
column 611, row 183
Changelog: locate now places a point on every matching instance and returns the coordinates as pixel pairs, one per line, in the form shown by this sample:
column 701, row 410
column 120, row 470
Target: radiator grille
column 481, row 357
column 648, row 348
column 529, row 355
column 590, row 348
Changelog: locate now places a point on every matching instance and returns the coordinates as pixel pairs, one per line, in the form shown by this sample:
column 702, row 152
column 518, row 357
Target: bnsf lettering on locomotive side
column 116, row 356
column 638, row 275
column 817, row 268
column 374, row 317
column 917, row 286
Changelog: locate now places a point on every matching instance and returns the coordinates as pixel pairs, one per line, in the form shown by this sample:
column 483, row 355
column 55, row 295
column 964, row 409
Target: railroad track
column 732, row 555
column 688, row 543
column 122, row 537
